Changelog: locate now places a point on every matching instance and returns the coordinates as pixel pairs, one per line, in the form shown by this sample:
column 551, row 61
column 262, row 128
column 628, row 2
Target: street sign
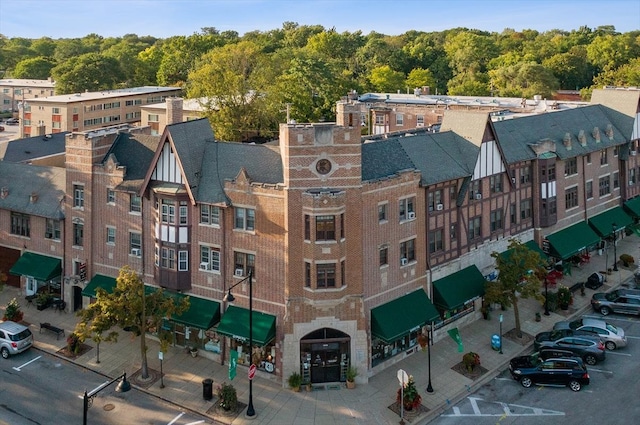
column 403, row 377
column 252, row 371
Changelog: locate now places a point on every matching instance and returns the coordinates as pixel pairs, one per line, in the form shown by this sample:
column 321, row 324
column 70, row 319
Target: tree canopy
column 129, row 307
column 309, row 67
column 519, row 276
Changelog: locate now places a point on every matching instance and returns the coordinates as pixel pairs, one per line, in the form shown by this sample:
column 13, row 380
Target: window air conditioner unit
column 411, row 215
column 513, row 180
column 204, row 266
column 403, row 261
column 439, row 207
column 135, row 251
column 633, row 153
column 238, row 272
column 478, row 195
column 420, row 124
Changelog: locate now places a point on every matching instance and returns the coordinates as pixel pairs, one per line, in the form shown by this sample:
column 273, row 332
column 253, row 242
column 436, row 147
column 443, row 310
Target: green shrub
column 227, row 396
column 471, row 360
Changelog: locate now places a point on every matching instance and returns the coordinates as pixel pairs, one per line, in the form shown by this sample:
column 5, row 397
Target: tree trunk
column 516, row 314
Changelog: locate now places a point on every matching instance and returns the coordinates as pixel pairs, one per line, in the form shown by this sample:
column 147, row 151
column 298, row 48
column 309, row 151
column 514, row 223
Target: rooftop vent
column 596, row 134
column 582, row 137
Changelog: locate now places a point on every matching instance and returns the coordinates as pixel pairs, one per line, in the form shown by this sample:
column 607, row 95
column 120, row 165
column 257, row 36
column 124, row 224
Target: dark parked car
column 556, row 334
column 563, row 371
column 619, row 301
column 12, row 121
column 589, row 348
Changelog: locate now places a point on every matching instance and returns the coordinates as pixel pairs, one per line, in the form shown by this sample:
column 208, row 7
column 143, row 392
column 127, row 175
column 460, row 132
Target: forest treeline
column 250, row 79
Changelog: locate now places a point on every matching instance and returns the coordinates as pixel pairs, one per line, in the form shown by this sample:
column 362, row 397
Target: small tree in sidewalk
column 128, row 307
column 519, row 276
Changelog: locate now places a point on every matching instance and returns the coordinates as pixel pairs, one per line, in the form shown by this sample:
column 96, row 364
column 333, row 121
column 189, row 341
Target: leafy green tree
column 148, row 63
column 572, row 69
column 37, row 68
column 230, row 82
column 469, row 84
column 419, row 77
column 609, row 52
column 518, row 277
column 386, row 80
column 129, row 307
column 469, row 52
column 627, row 75
column 91, row 71
column 524, row 79
column 44, row 46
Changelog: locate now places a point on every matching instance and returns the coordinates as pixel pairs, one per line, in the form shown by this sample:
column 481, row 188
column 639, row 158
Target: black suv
column 562, row 371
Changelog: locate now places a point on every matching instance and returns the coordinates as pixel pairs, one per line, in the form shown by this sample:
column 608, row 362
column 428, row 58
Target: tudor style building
column 353, row 247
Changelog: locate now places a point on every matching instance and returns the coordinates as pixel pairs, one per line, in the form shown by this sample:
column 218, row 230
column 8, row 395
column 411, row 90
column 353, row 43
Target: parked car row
column 562, row 354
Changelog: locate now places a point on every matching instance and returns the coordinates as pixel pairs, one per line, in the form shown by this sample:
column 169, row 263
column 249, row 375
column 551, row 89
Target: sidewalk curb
column 143, row 390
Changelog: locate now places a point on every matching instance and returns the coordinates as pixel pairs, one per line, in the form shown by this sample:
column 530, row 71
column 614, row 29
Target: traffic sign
column 403, row 378
column 252, row 371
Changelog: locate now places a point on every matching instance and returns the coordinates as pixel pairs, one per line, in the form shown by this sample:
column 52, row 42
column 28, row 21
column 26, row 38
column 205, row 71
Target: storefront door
column 324, row 356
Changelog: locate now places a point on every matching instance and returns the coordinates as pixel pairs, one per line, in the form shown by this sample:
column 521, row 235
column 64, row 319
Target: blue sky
column 165, row 18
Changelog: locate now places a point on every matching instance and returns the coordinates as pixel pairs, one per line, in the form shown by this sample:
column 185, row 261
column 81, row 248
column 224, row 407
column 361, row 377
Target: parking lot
column 11, row 132
column 610, row 396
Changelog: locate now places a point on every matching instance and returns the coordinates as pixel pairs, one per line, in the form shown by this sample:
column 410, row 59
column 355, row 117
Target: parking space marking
column 507, row 410
column 615, row 353
column 196, row 422
column 591, row 369
column 23, row 365
column 176, row 418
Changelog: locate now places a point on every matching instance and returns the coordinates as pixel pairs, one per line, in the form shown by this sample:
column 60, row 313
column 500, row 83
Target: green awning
column 397, row 318
column 633, row 206
column 39, row 267
column 603, row 222
column 532, row 245
column 99, row 281
column 568, row 242
column 235, row 323
column 202, row 313
column 458, row 288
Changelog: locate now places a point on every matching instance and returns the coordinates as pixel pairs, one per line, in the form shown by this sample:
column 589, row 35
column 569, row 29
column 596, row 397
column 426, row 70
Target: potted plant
column 564, row 297
column 538, row 317
column 471, row 360
column 408, row 395
column 227, row 396
column 193, row 351
column 352, row 372
column 12, row 312
column 73, row 343
column 295, row 380
column 43, row 300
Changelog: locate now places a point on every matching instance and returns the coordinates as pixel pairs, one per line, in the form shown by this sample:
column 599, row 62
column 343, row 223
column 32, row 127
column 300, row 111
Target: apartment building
column 156, row 116
column 348, row 249
column 87, row 111
column 14, row 91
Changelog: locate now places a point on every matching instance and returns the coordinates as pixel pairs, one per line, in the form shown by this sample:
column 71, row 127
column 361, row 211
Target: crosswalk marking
column 507, row 410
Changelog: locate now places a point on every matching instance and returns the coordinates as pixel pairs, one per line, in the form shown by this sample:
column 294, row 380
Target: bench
column 49, row 327
column 576, row 287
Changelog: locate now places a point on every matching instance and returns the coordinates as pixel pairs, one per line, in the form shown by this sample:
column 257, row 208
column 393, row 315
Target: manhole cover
column 109, row 407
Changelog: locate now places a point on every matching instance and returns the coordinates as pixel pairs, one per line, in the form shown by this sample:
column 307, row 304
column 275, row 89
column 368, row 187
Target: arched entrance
column 325, row 355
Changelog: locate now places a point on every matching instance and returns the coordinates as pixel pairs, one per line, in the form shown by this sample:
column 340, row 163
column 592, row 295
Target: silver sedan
column 612, row 336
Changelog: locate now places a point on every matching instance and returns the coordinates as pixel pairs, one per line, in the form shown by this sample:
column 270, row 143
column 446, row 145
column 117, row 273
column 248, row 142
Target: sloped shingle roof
column 47, row 183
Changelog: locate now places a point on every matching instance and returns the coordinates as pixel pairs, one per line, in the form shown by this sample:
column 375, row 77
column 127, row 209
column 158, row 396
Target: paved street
column 366, row 404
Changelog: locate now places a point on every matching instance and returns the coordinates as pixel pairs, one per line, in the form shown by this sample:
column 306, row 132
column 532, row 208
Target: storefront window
column 381, row 351
column 263, row 357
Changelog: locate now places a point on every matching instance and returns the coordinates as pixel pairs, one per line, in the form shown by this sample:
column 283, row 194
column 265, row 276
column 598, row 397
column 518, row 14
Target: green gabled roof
column 603, row 223
column 405, row 314
column 40, row 267
column 458, row 288
column 571, row 240
column 517, row 135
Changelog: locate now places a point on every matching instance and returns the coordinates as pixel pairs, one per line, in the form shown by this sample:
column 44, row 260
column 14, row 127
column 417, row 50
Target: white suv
column 14, row 338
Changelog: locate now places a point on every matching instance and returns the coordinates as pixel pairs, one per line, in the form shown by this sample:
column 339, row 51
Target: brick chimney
column 174, row 110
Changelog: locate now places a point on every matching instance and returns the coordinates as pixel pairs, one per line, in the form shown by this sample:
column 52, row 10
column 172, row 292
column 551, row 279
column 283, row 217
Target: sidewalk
column 366, row 404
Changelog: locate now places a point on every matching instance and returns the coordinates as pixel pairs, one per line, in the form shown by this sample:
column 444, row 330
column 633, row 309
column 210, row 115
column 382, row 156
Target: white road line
column 633, row 337
column 23, row 365
column 176, row 418
column 507, row 410
column 474, row 404
column 615, row 353
column 196, row 422
column 599, row 370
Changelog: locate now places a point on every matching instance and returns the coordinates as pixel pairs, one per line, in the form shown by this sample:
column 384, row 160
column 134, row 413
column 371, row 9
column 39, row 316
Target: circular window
column 323, row 166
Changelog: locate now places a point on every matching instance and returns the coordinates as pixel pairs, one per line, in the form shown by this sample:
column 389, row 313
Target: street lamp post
column 501, row 317
column 546, row 297
column 615, row 255
column 230, row 298
column 87, row 398
column 429, row 387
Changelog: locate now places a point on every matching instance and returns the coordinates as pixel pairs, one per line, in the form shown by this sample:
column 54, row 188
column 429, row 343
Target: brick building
column 351, row 248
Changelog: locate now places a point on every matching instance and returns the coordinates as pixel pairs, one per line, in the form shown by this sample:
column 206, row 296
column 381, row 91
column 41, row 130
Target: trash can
column 495, row 342
column 207, row 389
